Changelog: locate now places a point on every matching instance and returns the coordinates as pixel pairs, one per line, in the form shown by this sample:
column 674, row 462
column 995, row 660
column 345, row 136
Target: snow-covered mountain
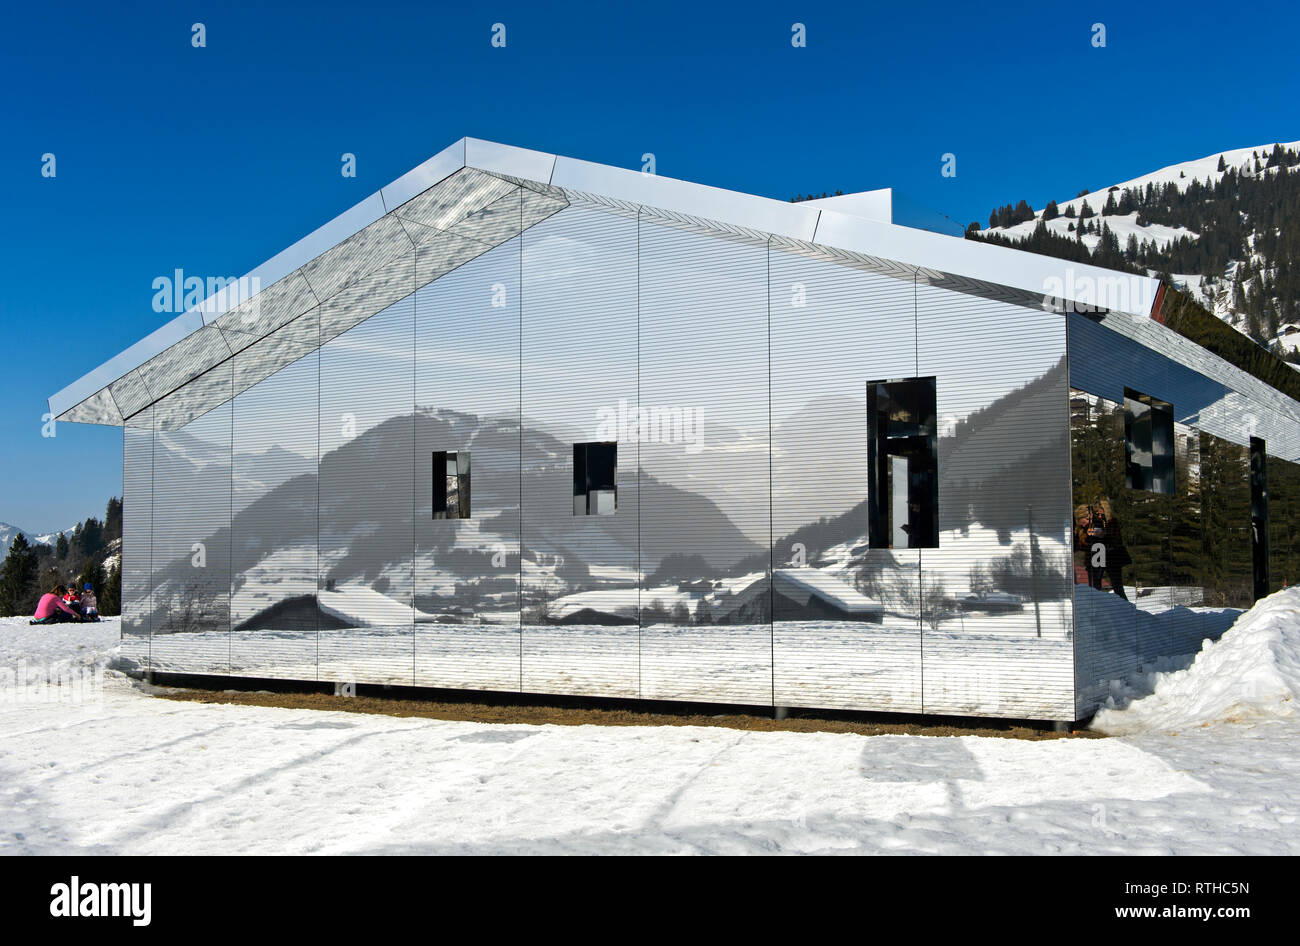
column 1218, row 226
column 8, row 532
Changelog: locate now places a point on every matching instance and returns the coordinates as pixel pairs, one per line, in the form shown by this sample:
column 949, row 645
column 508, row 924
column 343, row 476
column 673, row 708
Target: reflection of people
column 1097, row 533
column 1083, row 542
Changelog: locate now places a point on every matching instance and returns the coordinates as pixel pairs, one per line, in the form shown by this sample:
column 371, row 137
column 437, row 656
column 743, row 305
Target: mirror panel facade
column 190, row 574
column 995, row 595
column 467, row 336
column 274, row 613
column 846, row 626
column 580, row 573
column 366, row 510
column 702, row 433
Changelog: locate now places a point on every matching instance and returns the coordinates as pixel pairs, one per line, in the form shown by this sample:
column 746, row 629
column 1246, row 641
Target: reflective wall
column 995, row 595
column 705, row 468
column 274, row 615
column 847, row 622
column 366, row 499
column 467, row 336
column 190, row 574
column 290, row 531
column 580, row 572
column 137, row 535
column 1165, row 570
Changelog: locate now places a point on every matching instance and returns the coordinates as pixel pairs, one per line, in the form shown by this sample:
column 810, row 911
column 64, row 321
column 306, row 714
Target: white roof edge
column 697, row 200
column 160, row 339
column 875, row 204
column 353, row 220
column 809, row 221
column 1019, row 269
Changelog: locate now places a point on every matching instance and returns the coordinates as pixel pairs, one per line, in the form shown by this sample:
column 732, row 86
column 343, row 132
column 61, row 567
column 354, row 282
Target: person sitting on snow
column 89, row 606
column 51, row 609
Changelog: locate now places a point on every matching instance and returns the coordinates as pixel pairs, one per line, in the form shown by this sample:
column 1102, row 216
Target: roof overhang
column 476, row 194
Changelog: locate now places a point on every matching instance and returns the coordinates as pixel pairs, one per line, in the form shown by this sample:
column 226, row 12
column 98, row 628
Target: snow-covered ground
column 1208, row 763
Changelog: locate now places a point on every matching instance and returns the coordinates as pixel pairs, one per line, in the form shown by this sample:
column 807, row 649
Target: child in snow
column 89, row 606
column 52, row 610
column 72, row 599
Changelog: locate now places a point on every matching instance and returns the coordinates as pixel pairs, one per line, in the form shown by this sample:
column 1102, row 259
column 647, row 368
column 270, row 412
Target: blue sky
column 212, row 160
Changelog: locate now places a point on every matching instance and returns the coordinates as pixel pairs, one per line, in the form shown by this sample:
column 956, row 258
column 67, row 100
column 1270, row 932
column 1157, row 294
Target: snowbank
column 1251, row 673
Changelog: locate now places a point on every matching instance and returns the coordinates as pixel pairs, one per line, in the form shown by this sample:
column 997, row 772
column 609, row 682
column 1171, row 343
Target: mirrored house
column 523, row 423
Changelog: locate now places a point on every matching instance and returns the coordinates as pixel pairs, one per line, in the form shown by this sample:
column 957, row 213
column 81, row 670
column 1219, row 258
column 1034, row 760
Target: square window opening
column 902, row 464
column 451, row 484
column 595, row 473
column 1148, row 443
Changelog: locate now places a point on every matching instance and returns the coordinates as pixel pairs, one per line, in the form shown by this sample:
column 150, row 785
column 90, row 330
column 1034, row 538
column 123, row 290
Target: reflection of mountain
column 995, row 464
column 183, row 446
column 362, row 507
column 802, row 436
column 1008, row 457
column 256, row 474
column 357, row 525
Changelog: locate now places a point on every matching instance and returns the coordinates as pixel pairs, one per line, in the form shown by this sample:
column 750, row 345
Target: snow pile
column 1251, row 673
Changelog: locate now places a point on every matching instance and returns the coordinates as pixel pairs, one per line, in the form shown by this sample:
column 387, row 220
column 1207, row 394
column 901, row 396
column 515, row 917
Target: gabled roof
column 475, row 195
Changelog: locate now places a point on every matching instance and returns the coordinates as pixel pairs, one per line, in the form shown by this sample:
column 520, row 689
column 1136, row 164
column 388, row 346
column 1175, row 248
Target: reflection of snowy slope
column 804, row 584
column 273, row 467
column 358, row 605
column 1115, row 638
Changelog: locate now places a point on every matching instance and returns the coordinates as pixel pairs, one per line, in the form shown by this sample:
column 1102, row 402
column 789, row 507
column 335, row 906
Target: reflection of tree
column 1200, row 536
column 1225, row 536
column 1017, row 437
column 935, row 603
column 1284, row 523
column 1013, row 574
column 191, row 609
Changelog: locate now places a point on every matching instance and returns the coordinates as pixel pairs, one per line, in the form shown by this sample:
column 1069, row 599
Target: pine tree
column 1051, row 211
column 18, row 577
column 113, row 520
column 92, row 573
column 110, row 602
column 61, row 547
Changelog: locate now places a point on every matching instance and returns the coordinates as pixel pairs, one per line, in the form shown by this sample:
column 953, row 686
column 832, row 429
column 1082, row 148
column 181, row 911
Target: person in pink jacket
column 51, row 609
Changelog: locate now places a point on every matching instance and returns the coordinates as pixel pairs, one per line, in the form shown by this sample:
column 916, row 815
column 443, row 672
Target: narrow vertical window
column 1148, row 443
column 451, row 484
column 902, row 464
column 1259, row 516
column 595, row 468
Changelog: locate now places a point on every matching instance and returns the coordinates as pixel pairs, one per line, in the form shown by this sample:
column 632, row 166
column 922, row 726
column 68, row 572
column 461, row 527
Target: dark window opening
column 451, row 484
column 1259, row 516
column 595, row 468
column 902, row 464
column 1148, row 443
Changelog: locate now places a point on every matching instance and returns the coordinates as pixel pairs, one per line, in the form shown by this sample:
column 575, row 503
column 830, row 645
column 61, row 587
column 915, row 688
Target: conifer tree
column 18, row 577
